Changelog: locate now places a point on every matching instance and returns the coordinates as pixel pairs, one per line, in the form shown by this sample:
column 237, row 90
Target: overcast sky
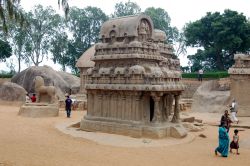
column 180, row 11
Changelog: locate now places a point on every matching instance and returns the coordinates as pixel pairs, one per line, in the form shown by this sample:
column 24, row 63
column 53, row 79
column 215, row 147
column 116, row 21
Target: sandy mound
column 208, row 98
column 12, row 92
column 61, row 80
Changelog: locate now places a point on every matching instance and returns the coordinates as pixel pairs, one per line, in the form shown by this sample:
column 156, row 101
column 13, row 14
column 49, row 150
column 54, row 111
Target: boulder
column 63, row 82
column 189, row 119
column 12, row 92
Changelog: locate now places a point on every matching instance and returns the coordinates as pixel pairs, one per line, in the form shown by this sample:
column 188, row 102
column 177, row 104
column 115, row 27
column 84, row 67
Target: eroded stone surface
column 46, row 104
column 134, row 82
column 240, row 78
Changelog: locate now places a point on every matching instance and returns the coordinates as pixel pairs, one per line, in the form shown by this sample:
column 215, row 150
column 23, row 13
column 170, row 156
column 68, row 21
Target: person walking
column 234, row 110
column 223, row 141
column 225, row 120
column 68, row 103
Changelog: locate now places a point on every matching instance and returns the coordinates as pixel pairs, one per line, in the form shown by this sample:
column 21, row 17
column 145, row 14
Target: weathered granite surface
column 134, row 82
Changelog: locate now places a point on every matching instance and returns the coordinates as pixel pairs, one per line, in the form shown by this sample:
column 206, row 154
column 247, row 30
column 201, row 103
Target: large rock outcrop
column 209, row 98
column 64, row 82
column 12, row 92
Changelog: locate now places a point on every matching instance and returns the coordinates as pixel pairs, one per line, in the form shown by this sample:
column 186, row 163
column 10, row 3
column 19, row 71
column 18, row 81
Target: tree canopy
column 84, row 24
column 125, row 9
column 220, row 36
column 42, row 27
column 5, row 50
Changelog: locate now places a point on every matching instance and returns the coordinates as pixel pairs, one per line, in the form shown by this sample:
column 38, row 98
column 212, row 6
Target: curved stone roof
column 159, row 35
column 84, row 60
column 124, row 25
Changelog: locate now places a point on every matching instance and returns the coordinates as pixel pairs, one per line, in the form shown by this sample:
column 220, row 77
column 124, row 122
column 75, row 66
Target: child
column 235, row 143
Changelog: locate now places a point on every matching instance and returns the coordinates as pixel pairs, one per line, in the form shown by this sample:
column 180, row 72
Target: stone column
column 99, row 105
column 123, row 106
column 166, row 109
column 157, row 112
column 176, row 116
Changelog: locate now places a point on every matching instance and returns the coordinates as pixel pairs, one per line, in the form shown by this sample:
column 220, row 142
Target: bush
column 209, row 75
column 6, row 75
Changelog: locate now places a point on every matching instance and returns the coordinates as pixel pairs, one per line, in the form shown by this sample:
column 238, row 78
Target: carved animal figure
column 44, row 93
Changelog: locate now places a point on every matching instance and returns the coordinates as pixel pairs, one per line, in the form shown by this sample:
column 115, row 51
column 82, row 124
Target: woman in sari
column 223, row 141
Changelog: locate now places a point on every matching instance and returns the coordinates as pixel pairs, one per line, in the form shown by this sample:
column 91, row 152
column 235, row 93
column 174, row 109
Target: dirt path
column 36, row 142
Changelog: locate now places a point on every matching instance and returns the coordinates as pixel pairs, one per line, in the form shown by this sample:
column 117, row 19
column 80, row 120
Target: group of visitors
column 224, row 128
column 29, row 99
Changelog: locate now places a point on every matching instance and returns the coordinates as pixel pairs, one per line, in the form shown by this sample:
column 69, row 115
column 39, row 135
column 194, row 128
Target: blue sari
column 223, row 142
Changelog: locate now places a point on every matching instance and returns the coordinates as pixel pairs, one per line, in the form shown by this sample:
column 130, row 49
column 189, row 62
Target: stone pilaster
column 176, row 116
column 157, row 112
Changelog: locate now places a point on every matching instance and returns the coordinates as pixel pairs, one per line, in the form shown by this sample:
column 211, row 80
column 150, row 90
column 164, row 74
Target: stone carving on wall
column 135, row 81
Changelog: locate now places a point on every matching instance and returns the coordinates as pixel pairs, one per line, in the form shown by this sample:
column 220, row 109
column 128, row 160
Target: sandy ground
column 36, row 142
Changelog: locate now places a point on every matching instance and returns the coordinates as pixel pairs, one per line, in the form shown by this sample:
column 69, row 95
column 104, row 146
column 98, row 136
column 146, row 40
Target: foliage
column 125, row 9
column 7, row 75
column 220, row 36
column 59, row 49
column 17, row 38
column 42, row 26
column 84, row 24
column 10, row 9
column 210, row 75
column 5, row 50
column 65, row 6
column 162, row 21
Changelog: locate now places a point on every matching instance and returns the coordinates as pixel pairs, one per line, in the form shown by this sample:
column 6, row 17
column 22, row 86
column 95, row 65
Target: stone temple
column 240, row 78
column 134, row 82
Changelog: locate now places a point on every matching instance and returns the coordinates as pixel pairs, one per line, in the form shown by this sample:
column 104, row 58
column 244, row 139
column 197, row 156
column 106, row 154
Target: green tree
column 43, row 24
column 84, row 24
column 17, row 38
column 10, row 9
column 162, row 21
column 59, row 48
column 125, row 9
column 220, row 36
column 5, row 50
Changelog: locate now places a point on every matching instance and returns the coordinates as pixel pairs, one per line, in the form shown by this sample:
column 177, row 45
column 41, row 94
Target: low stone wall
column 191, row 87
column 78, row 105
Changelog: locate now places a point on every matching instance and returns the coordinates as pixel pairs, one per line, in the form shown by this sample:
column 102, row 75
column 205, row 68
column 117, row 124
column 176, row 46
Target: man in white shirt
column 200, row 75
column 234, row 110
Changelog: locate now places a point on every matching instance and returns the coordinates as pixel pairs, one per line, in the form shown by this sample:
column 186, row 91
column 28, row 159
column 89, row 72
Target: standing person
column 68, row 103
column 234, row 110
column 223, row 142
column 235, row 143
column 200, row 72
column 225, row 120
column 27, row 98
column 33, row 98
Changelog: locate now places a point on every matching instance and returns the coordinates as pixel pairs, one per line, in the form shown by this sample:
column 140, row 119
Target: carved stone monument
column 240, row 83
column 45, row 105
column 135, row 80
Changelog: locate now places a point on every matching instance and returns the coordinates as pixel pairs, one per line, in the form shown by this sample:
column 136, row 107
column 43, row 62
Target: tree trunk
column 219, row 63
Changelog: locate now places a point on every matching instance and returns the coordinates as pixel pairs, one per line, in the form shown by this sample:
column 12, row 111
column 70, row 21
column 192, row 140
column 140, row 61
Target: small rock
column 202, row 136
column 190, row 119
column 198, row 120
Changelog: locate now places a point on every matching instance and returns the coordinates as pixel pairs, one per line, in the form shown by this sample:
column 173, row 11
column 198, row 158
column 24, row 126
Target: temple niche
column 240, row 78
column 134, row 82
